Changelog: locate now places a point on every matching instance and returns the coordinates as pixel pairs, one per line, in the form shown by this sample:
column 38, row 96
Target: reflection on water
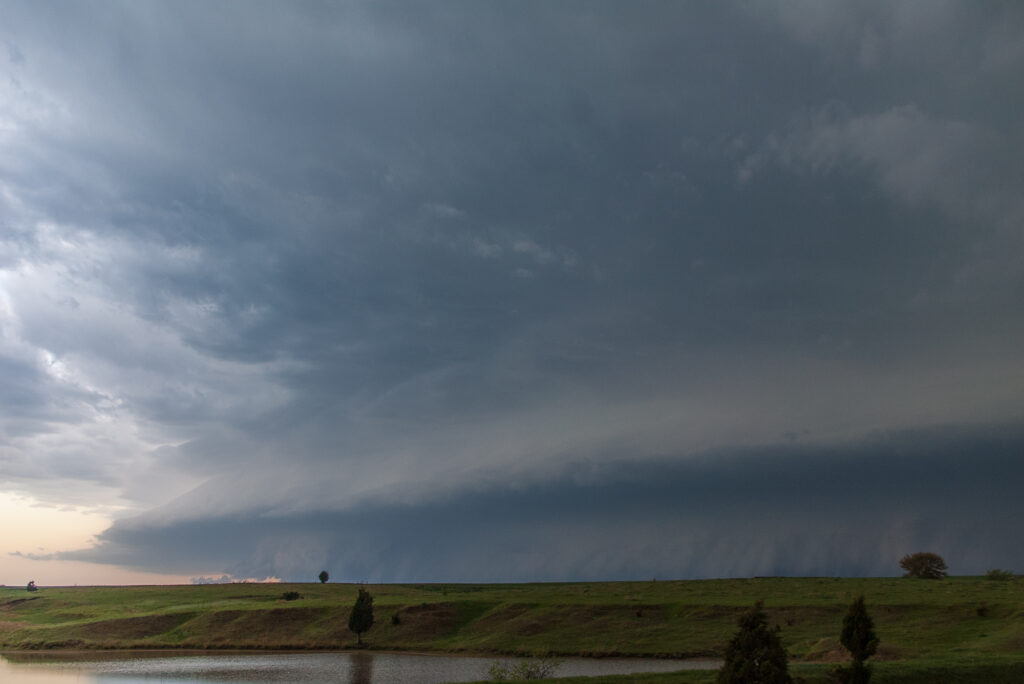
column 361, row 667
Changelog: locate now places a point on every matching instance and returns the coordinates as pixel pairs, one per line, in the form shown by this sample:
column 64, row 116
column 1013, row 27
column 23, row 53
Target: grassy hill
column 962, row 622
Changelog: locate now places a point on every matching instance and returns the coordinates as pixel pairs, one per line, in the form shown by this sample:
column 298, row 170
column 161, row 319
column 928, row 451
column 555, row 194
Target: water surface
column 254, row 668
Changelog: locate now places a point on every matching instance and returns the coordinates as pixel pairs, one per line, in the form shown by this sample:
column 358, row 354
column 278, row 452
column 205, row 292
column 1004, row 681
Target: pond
column 252, row 668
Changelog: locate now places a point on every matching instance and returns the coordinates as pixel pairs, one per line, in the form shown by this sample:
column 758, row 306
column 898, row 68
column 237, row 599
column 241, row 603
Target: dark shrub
column 755, row 654
column 999, row 575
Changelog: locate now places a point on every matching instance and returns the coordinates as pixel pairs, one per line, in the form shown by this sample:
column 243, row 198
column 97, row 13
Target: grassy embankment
column 958, row 629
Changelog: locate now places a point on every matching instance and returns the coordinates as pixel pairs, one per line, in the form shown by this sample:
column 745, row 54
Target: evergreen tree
column 858, row 635
column 859, row 638
column 361, row 618
column 323, row 577
column 755, row 654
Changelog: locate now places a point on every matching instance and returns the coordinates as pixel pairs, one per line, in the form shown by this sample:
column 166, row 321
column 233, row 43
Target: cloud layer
column 780, row 511
column 425, row 291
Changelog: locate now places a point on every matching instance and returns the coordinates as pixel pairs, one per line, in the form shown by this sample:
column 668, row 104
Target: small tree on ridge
column 323, row 576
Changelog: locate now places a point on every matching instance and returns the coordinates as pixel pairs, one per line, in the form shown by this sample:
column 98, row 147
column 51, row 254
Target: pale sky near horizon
column 462, row 291
column 33, row 527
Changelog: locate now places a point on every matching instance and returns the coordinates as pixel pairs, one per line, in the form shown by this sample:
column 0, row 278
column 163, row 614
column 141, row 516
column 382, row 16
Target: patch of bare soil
column 526, row 620
column 828, row 651
column 16, row 602
column 789, row 617
column 831, row 651
column 10, row 626
column 131, row 628
column 260, row 628
column 427, row 621
column 501, row 616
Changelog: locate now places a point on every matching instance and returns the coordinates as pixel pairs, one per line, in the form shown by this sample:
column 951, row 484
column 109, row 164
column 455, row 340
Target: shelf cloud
column 539, row 291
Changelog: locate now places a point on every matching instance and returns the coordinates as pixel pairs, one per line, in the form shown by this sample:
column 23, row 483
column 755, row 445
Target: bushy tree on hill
column 323, row 577
column 923, row 565
column 755, row 654
column 361, row 618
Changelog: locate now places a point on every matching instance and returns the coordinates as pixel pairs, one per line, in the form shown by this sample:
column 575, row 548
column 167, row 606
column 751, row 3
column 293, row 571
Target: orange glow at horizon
column 29, row 527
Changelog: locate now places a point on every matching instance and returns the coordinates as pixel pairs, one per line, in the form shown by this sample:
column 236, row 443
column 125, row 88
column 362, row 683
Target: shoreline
column 158, row 652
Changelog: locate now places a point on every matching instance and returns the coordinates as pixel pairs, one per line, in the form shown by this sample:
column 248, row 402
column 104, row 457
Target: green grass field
column 949, row 629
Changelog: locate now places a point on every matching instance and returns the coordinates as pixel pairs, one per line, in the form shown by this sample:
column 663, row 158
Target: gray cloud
column 783, row 511
column 298, row 263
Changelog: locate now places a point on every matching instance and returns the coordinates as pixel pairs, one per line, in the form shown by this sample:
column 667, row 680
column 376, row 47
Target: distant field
column 959, row 625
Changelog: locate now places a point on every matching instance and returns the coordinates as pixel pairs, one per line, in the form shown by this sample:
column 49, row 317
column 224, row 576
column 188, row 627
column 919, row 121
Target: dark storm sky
column 502, row 291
